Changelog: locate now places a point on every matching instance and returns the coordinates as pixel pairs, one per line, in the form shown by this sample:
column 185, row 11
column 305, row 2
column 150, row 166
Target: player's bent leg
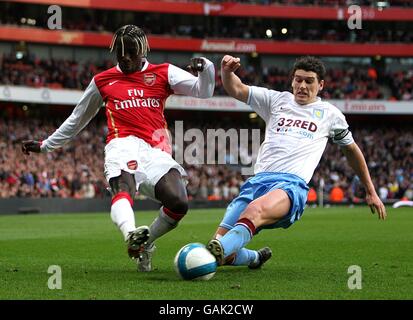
column 121, row 211
column 265, row 210
column 232, row 214
column 268, row 209
column 170, row 191
column 244, row 257
column 123, row 188
column 216, row 251
column 221, row 231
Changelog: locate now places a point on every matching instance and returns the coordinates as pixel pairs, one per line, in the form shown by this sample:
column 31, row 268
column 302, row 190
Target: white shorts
column 136, row 156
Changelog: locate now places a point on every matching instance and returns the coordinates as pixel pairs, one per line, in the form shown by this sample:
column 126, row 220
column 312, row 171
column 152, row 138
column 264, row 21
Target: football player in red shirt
column 138, row 149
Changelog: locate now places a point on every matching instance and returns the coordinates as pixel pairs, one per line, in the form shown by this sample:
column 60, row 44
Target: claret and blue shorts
column 259, row 185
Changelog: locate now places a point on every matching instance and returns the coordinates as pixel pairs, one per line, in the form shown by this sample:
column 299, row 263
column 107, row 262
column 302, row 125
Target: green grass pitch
column 310, row 259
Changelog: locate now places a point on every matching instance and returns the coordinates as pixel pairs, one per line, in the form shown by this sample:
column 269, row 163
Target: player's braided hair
column 136, row 34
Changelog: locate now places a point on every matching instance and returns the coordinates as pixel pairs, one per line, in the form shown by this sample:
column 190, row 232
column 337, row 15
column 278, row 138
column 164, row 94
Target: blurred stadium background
column 42, row 72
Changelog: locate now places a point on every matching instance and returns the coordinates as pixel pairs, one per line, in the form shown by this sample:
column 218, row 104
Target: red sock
column 122, row 195
column 172, row 215
column 247, row 223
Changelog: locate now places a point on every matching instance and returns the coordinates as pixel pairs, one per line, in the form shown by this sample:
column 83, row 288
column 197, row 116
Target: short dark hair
column 136, row 34
column 309, row 63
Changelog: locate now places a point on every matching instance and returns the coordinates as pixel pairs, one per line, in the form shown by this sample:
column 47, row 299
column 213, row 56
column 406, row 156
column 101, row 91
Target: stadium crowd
column 389, row 155
column 74, row 171
column 352, row 82
column 77, row 169
column 229, row 27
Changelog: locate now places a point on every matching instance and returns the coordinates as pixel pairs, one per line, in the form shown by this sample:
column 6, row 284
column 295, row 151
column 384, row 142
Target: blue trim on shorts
column 259, row 185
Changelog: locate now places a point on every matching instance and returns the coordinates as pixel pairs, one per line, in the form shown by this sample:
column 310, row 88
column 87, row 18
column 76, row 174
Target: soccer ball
column 195, row 262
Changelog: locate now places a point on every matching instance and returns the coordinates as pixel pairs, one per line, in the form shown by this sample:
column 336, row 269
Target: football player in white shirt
column 298, row 126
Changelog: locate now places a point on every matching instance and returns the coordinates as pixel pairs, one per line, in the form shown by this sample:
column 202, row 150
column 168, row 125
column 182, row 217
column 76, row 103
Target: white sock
column 123, row 216
column 161, row 225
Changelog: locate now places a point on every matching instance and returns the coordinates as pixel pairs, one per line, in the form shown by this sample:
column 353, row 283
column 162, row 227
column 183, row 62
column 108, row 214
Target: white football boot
column 144, row 261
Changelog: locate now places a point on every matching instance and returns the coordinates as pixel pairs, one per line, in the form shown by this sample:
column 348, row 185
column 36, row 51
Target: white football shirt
column 295, row 135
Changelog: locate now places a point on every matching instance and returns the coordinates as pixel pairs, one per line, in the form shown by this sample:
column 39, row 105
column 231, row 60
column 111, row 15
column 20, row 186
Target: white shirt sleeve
column 261, row 100
column 86, row 109
column 339, row 132
column 182, row 82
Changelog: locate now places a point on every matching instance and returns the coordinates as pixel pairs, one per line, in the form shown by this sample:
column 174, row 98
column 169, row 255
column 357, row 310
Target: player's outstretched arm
column 358, row 163
column 232, row 84
column 84, row 111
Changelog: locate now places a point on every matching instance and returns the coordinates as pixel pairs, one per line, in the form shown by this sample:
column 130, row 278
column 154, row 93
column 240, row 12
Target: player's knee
column 254, row 209
column 254, row 212
column 177, row 204
column 126, row 187
column 120, row 185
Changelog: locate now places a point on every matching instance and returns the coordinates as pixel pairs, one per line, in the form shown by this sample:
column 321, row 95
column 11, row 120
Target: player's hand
column 31, row 146
column 196, row 65
column 376, row 205
column 230, row 63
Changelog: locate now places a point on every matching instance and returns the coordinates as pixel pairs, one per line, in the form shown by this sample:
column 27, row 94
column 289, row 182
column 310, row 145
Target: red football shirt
column 135, row 103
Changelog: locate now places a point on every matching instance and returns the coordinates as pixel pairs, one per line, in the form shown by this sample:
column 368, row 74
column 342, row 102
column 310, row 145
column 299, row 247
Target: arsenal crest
column 132, row 165
column 149, row 79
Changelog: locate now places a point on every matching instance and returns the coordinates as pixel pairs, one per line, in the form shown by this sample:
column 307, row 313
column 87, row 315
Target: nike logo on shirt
column 113, row 82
